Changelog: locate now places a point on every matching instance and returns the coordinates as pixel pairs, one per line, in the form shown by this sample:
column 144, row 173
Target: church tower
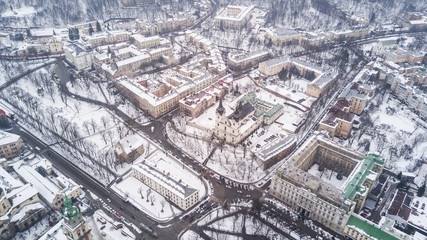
column 219, row 121
column 74, row 224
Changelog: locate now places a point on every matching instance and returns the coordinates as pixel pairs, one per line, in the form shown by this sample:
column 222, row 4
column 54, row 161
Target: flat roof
column 369, row 229
column 8, row 138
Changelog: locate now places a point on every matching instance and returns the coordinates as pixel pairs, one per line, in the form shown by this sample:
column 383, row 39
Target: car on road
column 101, row 220
column 248, row 196
column 117, row 214
column 108, row 200
column 122, row 208
column 133, row 216
column 238, row 191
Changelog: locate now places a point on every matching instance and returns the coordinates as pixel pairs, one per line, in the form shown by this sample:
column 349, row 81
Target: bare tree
column 93, row 125
column 152, row 199
column 140, row 191
column 104, row 121
column 163, row 202
column 148, row 192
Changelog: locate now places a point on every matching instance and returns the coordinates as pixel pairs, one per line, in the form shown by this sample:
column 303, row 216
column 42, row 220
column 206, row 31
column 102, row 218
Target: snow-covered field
column 18, row 12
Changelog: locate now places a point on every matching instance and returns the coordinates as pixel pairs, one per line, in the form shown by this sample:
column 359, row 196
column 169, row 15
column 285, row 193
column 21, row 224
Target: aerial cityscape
column 213, row 119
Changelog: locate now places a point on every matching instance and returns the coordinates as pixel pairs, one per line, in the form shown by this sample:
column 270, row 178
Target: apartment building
column 106, row 37
column 282, row 36
column 243, row 61
column 142, row 42
column 409, row 94
column 194, row 105
column 161, row 181
column 322, row 79
column 312, row 39
column 351, row 34
column 10, row 145
column 305, row 183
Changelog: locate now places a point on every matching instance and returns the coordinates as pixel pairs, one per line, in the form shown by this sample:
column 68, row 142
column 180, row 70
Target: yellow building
column 10, row 145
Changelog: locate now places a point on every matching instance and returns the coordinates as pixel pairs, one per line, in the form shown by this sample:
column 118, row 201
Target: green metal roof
column 371, row 230
column 254, row 101
column 355, row 183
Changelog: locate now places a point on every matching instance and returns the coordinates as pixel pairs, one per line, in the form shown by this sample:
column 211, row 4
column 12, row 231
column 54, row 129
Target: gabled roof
column 241, row 111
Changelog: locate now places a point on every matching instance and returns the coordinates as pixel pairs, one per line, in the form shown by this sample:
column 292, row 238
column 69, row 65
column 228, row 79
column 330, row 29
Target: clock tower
column 74, row 224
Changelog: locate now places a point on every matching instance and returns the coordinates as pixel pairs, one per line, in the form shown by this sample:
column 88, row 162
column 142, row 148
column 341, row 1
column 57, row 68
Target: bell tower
column 74, row 224
column 219, row 120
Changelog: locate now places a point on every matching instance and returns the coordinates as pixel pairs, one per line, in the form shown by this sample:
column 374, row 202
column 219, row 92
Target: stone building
column 247, row 116
column 327, row 182
column 233, row 17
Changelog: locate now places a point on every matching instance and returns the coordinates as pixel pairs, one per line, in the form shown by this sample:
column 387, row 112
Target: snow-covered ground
column 132, row 187
column 395, row 132
column 19, row 12
column 109, row 230
column 92, row 129
column 10, row 69
column 293, row 89
column 327, row 175
column 35, row 231
column 235, row 164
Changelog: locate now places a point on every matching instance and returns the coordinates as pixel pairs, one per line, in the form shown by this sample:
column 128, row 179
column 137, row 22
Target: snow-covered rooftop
column 164, row 178
column 45, row 187
column 7, row 181
column 234, row 13
column 130, row 143
column 8, row 138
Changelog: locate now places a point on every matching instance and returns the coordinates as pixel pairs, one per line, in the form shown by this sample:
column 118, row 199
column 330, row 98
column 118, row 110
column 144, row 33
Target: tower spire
column 220, row 110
